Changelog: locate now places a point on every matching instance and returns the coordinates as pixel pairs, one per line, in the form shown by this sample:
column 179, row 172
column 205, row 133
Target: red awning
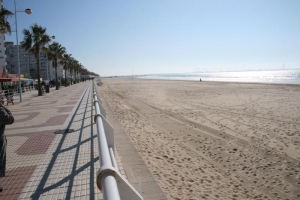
column 5, row 79
column 9, row 77
column 14, row 79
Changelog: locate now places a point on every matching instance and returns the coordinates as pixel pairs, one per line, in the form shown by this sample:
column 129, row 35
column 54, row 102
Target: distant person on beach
column 6, row 118
column 200, row 80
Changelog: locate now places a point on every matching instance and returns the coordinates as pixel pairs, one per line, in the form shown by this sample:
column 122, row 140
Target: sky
column 118, row 37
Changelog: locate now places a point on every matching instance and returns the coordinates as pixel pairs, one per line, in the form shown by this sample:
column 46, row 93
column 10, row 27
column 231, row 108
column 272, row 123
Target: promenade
column 52, row 148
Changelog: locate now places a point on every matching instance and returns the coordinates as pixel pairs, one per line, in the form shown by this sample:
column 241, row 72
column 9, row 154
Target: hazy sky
column 160, row 36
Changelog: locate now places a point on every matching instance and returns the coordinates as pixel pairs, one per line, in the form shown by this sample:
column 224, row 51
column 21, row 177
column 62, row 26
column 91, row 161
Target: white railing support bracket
column 101, row 172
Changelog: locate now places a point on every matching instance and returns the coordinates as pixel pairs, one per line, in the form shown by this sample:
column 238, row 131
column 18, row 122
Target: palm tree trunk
column 66, row 78
column 56, row 79
column 37, row 56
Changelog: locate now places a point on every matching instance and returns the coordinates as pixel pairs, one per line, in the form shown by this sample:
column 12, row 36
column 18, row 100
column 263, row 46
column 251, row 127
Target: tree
column 79, row 70
column 72, row 66
column 65, row 63
column 76, row 71
column 71, row 69
column 4, row 24
column 55, row 53
column 34, row 39
column 84, row 71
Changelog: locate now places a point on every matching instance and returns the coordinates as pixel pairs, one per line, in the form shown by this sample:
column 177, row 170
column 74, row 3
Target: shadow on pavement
column 41, row 186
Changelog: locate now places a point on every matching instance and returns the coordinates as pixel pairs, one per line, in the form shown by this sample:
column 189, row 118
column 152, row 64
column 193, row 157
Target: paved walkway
column 52, row 149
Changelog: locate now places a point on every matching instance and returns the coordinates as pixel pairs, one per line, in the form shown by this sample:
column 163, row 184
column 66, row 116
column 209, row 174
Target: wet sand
column 206, row 140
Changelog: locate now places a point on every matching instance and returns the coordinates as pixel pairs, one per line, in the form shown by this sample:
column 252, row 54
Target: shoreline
column 221, row 82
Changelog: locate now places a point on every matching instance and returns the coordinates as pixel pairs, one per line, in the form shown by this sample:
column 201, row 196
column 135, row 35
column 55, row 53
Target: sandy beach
column 210, row 140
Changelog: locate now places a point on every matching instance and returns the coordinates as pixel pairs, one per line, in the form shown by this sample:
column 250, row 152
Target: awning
column 5, row 79
column 9, row 77
column 14, row 77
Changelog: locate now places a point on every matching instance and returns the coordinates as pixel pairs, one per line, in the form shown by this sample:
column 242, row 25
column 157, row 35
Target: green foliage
column 35, row 39
column 4, row 15
column 55, row 52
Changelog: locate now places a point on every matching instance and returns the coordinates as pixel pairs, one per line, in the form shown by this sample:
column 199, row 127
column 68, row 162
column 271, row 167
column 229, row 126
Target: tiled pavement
column 52, row 149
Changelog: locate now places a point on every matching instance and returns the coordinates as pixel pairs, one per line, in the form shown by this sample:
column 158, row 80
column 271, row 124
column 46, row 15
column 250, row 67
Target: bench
column 9, row 99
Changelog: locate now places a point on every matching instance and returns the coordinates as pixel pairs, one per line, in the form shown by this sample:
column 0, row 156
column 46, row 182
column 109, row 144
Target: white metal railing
column 109, row 180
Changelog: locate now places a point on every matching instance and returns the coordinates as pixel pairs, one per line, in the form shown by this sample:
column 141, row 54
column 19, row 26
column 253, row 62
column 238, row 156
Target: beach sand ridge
column 213, row 140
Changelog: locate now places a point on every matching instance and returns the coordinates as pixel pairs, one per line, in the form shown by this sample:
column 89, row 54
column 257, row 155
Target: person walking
column 6, row 118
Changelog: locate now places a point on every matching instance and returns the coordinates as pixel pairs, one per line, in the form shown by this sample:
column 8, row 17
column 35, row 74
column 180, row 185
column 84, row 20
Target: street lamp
column 48, row 71
column 27, row 11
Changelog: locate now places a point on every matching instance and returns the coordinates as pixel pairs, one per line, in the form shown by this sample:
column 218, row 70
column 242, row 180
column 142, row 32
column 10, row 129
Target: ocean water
column 278, row 76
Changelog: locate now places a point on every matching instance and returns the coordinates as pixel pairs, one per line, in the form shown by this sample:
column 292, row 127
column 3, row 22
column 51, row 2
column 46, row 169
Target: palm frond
column 35, row 39
column 4, row 15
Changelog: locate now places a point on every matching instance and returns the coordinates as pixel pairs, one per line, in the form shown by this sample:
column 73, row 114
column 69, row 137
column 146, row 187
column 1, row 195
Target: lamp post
column 27, row 11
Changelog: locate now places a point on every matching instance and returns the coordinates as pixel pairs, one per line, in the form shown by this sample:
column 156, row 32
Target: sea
column 274, row 76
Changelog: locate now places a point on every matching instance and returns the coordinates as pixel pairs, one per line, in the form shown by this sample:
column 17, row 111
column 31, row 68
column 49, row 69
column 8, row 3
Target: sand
column 209, row 140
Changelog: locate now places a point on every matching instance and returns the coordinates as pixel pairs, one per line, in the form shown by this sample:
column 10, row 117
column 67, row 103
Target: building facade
column 2, row 52
column 28, row 63
column 2, row 47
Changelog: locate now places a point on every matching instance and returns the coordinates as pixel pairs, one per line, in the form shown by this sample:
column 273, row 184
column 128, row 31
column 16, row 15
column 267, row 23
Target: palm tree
column 84, row 72
column 79, row 70
column 72, row 68
column 55, row 53
column 76, row 63
column 65, row 63
column 4, row 24
column 76, row 70
column 35, row 39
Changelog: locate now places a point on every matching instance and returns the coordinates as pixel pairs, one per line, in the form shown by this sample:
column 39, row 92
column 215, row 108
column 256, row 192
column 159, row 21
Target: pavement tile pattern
column 52, row 149
column 42, row 163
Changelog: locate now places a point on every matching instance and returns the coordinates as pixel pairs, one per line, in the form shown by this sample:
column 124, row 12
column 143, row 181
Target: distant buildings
column 28, row 63
column 2, row 47
column 2, row 52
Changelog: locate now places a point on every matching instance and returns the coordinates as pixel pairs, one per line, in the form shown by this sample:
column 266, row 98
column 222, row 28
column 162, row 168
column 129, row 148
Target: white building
column 2, row 47
column 2, row 52
column 28, row 63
